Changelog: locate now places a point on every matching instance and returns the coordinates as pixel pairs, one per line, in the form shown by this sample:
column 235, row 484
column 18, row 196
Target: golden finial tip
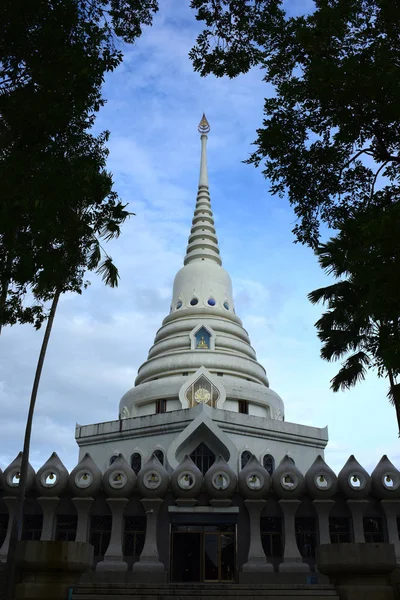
column 204, row 126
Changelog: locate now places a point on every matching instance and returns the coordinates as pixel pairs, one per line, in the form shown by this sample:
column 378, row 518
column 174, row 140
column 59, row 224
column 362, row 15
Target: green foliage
column 333, row 120
column 58, row 201
column 330, row 141
column 236, row 35
column 362, row 323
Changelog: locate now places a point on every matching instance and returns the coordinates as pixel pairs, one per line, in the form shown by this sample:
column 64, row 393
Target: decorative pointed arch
column 202, row 387
column 202, row 429
column 244, row 458
column 136, row 461
column 268, row 463
column 202, row 337
column 160, row 455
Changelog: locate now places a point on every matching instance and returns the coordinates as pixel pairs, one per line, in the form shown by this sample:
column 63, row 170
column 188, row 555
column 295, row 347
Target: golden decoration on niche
column 202, row 343
column 202, row 395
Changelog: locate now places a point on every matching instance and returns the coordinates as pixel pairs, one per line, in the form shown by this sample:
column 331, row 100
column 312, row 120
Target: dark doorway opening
column 203, row 553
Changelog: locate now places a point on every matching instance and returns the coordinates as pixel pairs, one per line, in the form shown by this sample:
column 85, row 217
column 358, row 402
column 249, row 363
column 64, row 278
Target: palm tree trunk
column 5, row 284
column 16, row 528
column 395, row 396
column 9, row 240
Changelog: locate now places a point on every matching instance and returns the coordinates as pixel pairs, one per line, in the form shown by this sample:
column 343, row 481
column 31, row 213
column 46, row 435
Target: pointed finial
column 204, row 126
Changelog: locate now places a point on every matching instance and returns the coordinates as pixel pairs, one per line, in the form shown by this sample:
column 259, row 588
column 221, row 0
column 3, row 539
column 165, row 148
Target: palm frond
column 108, row 272
column 332, row 257
column 110, row 230
column 337, row 346
column 352, row 371
column 94, row 256
column 340, row 291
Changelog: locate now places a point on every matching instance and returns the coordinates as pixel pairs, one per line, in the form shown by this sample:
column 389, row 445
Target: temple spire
column 203, row 242
column 204, row 129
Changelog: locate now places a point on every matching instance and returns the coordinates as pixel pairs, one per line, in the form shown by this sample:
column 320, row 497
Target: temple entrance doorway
column 203, row 552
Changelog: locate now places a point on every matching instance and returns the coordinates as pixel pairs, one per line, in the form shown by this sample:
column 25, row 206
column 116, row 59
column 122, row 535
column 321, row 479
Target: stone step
column 127, row 591
column 288, row 595
column 183, row 596
column 203, row 586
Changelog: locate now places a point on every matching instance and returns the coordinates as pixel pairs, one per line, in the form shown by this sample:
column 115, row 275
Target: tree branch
column 363, row 151
column 375, row 178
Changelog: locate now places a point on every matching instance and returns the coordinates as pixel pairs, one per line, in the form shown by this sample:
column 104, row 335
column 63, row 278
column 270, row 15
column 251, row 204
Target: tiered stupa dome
column 202, row 335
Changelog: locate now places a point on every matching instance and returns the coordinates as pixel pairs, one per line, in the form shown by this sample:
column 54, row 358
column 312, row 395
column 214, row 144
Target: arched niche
column 202, row 388
column 136, row 461
column 202, row 337
column 268, row 463
column 244, row 458
column 160, row 455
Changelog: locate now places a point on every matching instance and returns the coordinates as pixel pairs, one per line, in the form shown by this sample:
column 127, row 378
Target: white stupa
column 201, row 382
column 200, row 479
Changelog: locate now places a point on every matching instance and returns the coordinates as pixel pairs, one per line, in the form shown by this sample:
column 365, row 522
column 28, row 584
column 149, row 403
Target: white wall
column 167, row 427
column 146, row 409
column 258, row 411
column 173, row 405
column 232, row 405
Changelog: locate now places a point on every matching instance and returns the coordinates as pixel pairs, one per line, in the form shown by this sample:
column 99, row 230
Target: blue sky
column 155, row 102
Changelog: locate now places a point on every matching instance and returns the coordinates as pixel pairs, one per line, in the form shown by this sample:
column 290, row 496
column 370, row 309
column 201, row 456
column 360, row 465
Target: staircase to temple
column 199, row 591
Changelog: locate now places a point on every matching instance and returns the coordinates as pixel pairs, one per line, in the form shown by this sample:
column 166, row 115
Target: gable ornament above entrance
column 202, row 429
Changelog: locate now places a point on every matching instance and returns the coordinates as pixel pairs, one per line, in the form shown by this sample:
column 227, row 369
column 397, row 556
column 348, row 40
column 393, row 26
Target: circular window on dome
column 289, row 481
column 83, row 479
column 193, row 302
column 356, row 481
column 390, row 481
column 117, row 480
column 221, row 481
column 178, row 305
column 254, row 482
column 152, row 480
column 323, row 482
column 48, row 479
column 211, row 301
column 226, row 305
column 186, row 481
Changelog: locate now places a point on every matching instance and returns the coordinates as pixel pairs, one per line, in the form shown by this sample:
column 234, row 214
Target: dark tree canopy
column 57, row 198
column 330, row 141
column 362, row 323
column 331, row 132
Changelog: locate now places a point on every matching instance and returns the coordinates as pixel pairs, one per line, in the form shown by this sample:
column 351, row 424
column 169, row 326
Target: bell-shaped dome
column 321, row 481
column 52, row 478
column 254, row 481
column 201, row 330
column 187, row 479
column 287, row 481
column 85, row 478
column 12, row 474
column 220, row 480
column 385, row 480
column 354, row 481
column 119, row 479
column 153, row 479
